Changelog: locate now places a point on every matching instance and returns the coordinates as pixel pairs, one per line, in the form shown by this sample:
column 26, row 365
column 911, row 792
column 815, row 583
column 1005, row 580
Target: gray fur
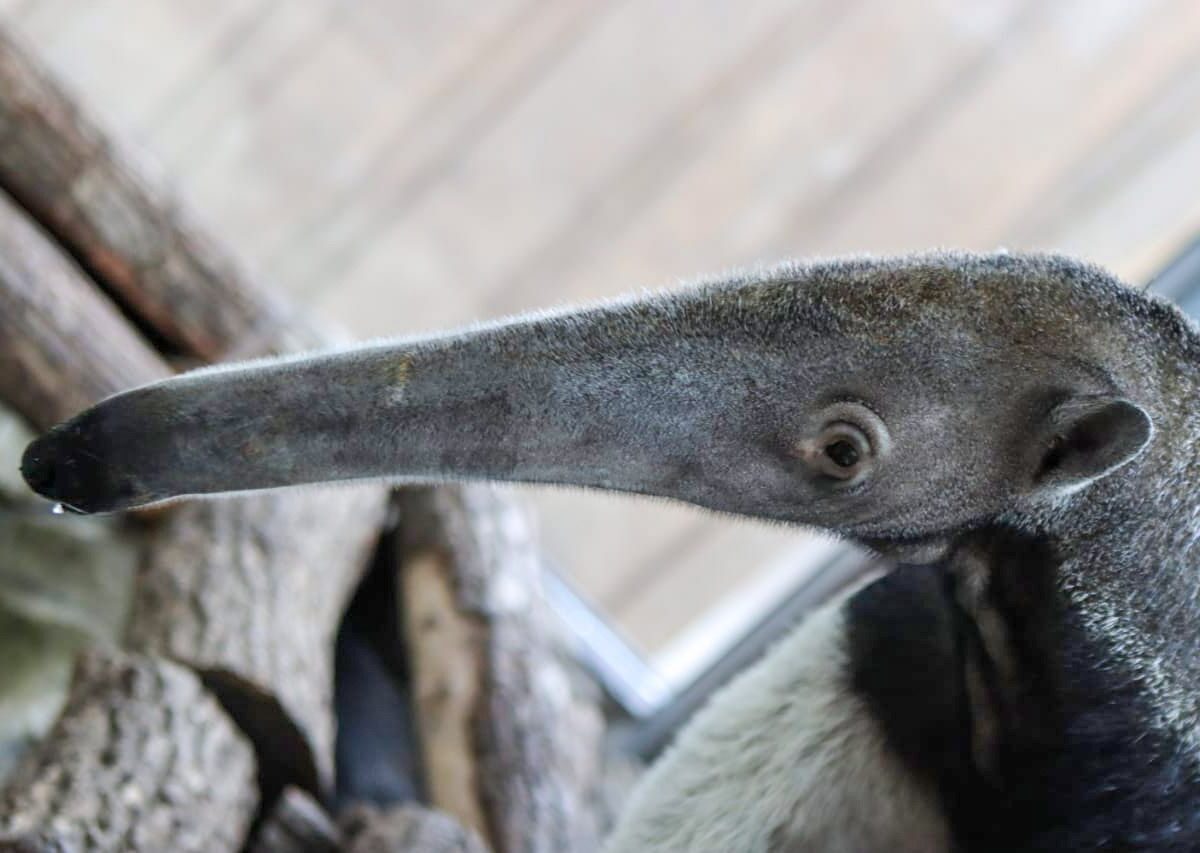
column 1028, row 390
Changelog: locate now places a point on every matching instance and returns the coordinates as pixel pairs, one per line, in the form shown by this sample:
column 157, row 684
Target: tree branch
column 133, row 237
column 511, row 748
column 142, row 758
column 63, row 345
column 406, row 829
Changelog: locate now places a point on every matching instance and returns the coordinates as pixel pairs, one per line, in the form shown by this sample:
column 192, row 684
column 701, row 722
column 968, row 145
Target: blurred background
column 405, row 166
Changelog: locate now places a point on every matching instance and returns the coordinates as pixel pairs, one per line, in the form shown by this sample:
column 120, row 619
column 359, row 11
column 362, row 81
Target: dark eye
column 842, row 452
column 846, row 449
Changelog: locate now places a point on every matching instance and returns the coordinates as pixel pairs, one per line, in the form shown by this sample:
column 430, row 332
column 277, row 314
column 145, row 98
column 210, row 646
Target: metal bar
column 1180, row 279
column 647, row 737
column 620, row 668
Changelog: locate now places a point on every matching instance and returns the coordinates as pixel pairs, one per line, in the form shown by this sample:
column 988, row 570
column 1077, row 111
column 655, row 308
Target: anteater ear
column 1086, row 438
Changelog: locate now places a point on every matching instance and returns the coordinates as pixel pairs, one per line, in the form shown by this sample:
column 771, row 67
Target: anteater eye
column 847, row 448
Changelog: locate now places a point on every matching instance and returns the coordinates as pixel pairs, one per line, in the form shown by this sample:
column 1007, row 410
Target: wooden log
column 510, row 749
column 63, row 345
column 297, row 824
column 142, row 758
column 249, row 592
column 406, row 829
column 97, row 201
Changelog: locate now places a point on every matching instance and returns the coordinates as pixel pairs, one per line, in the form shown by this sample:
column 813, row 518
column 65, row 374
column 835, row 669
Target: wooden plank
column 717, row 208
column 1137, row 224
column 1056, row 92
column 122, row 64
column 213, row 35
column 512, row 188
column 1129, row 204
column 441, row 77
column 312, row 155
column 213, row 119
column 44, row 21
column 430, row 151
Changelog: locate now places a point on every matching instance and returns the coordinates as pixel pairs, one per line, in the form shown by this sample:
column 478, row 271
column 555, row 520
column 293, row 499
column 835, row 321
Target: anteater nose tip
column 61, row 467
column 39, row 468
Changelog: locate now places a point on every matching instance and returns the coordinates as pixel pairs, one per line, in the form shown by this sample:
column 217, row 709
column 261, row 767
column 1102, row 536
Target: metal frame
column 647, row 736
column 1180, row 279
column 653, row 710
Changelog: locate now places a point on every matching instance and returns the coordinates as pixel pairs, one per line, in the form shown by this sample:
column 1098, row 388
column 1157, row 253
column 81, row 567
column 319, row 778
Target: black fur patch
column 1077, row 765
column 907, row 660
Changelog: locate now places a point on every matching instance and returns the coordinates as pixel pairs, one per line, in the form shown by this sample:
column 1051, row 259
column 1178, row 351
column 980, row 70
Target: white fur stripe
column 785, row 758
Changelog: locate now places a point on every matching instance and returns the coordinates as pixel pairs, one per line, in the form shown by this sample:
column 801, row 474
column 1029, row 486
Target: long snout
column 703, row 395
column 636, row 397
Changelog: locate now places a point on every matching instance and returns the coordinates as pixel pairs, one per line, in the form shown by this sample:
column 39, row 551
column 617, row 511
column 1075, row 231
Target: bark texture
column 63, row 344
column 249, row 591
column 406, row 829
column 142, row 758
column 297, row 824
column 510, row 749
column 133, row 236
